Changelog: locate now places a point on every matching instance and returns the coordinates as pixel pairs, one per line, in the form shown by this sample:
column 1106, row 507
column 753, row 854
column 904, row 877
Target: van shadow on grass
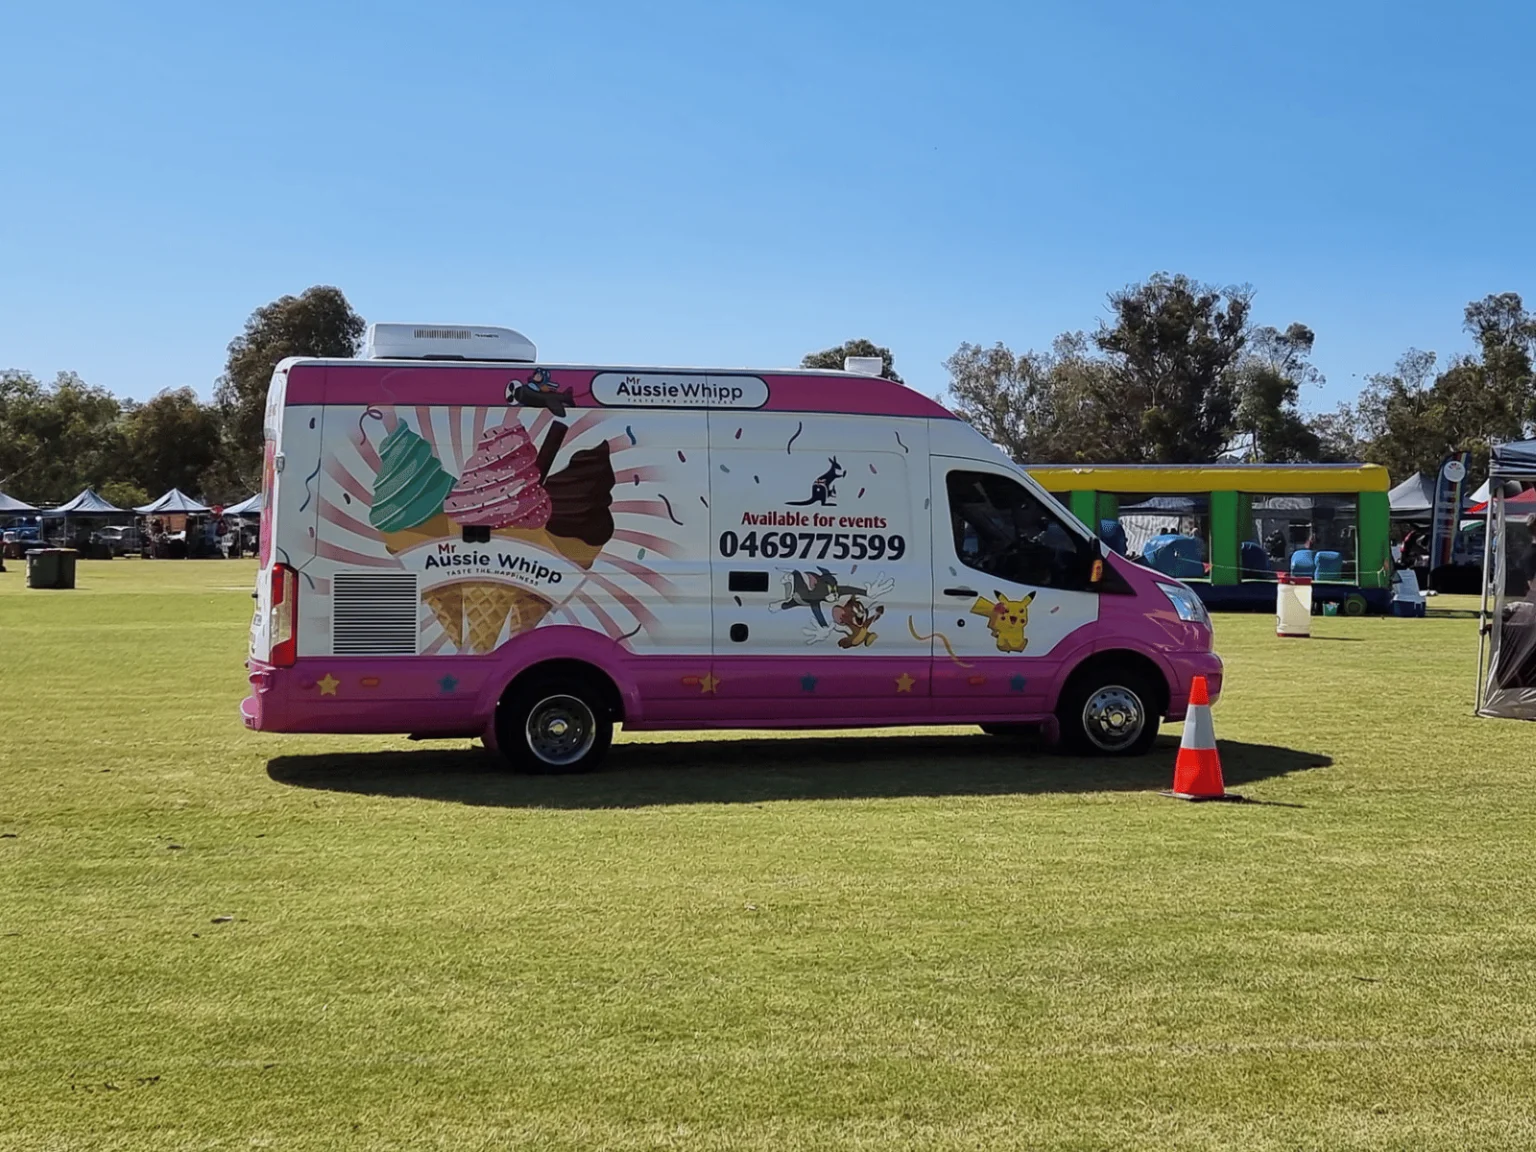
column 749, row 771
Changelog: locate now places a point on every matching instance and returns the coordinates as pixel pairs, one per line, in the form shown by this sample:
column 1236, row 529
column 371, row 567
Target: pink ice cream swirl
column 500, row 487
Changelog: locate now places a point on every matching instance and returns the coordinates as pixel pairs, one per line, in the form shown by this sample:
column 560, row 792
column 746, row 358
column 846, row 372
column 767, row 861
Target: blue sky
column 737, row 184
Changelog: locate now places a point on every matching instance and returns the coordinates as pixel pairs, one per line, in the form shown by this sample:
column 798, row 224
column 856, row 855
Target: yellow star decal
column 904, row 683
column 327, row 685
column 709, row 683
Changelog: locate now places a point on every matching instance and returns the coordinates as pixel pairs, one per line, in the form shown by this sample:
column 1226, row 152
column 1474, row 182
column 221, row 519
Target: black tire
column 553, row 726
column 1093, row 708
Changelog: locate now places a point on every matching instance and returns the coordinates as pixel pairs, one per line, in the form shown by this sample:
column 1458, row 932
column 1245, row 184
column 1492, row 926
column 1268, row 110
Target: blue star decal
column 1017, row 683
column 447, row 683
column 808, row 683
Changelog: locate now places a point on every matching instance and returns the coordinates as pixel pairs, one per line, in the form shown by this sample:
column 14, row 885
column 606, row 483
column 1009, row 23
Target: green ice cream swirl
column 411, row 484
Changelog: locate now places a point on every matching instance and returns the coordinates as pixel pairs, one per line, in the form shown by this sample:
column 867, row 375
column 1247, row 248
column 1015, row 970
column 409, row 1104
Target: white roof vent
column 863, row 365
column 446, row 342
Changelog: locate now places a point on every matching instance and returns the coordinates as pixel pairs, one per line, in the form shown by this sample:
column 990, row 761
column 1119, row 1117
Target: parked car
column 123, row 541
column 17, row 540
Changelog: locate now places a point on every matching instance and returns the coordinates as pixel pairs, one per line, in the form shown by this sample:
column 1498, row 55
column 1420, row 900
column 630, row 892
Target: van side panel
column 447, row 539
column 822, row 585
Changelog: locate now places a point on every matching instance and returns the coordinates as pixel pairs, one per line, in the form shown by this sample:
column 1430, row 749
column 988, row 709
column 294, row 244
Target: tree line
column 58, row 438
column 1179, row 372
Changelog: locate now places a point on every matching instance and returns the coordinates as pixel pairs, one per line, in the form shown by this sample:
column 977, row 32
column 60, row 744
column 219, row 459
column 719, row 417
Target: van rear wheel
column 1109, row 712
column 556, row 726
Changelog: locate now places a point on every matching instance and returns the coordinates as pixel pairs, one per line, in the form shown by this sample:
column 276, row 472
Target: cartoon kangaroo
column 824, row 487
column 856, row 618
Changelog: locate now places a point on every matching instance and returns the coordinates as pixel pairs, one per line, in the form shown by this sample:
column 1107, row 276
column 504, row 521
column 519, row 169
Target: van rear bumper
column 1185, row 667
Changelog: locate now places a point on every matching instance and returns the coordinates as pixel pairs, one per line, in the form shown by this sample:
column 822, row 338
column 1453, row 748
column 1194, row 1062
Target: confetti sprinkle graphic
column 860, row 496
column 738, row 433
column 670, row 513
column 939, row 636
column 757, row 479
column 308, row 495
column 681, row 457
column 904, row 448
column 635, row 631
column 640, row 555
column 346, row 497
column 368, row 414
column 703, row 501
column 738, row 600
column 799, row 428
column 723, row 468
column 872, row 470
column 629, row 431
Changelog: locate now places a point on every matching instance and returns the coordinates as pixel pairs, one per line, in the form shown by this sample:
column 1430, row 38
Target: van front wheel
column 553, row 727
column 1109, row 713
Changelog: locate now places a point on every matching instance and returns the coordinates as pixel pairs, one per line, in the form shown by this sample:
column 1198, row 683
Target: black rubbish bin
column 42, row 568
column 51, row 568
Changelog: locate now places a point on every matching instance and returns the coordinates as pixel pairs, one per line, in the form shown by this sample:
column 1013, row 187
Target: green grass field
column 939, row 941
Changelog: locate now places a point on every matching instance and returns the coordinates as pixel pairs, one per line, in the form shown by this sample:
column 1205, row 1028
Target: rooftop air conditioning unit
column 863, row 365
column 446, row 342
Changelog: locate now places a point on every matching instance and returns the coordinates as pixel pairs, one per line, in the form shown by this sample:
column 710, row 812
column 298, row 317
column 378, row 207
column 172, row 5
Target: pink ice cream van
column 462, row 542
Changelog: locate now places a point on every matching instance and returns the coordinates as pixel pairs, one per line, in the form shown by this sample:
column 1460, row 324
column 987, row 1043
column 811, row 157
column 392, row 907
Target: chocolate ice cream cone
column 578, row 552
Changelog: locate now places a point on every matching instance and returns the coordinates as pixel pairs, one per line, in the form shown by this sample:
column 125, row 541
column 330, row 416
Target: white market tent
column 11, row 504
column 1507, row 678
column 1413, row 499
column 173, row 501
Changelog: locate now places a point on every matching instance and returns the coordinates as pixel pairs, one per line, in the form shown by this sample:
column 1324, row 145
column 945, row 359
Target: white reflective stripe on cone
column 1199, row 732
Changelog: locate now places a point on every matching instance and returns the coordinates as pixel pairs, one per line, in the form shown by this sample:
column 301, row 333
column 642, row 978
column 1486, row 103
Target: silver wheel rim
column 1113, row 718
column 560, row 729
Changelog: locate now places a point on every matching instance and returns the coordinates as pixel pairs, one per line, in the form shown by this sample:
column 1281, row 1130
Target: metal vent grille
column 443, row 333
column 374, row 614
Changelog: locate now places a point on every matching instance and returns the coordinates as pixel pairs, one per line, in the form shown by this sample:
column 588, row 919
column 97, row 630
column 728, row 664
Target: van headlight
column 1191, row 608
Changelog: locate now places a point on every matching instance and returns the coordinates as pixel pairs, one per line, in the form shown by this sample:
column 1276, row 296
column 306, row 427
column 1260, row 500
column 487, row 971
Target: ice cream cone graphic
column 439, row 527
column 577, row 551
column 408, row 492
column 507, row 487
column 447, row 604
column 490, row 606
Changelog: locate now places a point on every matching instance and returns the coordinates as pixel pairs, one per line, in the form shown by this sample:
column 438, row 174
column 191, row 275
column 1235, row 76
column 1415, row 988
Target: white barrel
column 1293, row 605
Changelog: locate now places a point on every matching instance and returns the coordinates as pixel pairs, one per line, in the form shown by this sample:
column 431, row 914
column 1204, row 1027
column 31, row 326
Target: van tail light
column 285, row 615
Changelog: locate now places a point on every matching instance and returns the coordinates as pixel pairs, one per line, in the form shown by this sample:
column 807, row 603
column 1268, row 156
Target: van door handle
column 960, row 592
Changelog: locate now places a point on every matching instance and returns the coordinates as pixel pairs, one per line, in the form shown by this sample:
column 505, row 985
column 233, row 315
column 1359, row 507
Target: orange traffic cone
column 1197, row 771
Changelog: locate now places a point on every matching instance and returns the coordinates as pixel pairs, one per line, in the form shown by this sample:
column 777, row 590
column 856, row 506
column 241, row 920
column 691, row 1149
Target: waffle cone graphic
column 447, row 604
column 527, row 609
column 489, row 605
